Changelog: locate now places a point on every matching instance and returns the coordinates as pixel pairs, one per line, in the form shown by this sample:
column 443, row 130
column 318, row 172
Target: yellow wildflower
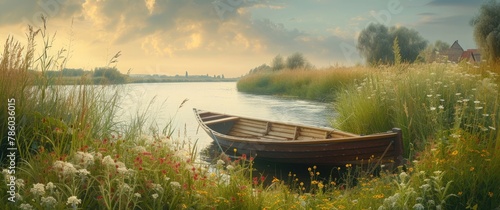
column 454, row 153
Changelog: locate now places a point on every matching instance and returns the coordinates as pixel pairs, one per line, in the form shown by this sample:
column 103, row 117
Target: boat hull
column 335, row 148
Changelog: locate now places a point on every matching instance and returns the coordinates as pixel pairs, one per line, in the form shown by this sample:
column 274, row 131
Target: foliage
column 434, row 52
column 487, row 30
column 108, row 75
column 375, row 41
column 277, row 63
column 297, row 61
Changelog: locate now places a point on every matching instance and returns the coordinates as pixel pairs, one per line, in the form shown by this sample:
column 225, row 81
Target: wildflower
column 20, row 183
column 50, row 186
column 74, row 201
column 108, row 161
column 441, row 107
column 433, row 108
column 471, row 168
column 38, row 189
column 155, row 196
column 235, row 150
column 403, row 176
column 314, row 182
column 48, row 201
column 418, row 206
column 157, row 187
column 84, row 159
column 490, row 194
column 137, row 195
column 83, row 172
column 26, row 206
column 320, row 185
column 220, row 162
column 478, row 107
column 460, row 193
column 230, row 167
column 455, row 152
column 175, row 185
column 64, row 168
column 477, row 102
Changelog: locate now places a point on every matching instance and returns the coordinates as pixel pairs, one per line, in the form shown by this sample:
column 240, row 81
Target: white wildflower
column 84, row 159
column 492, row 128
column 155, row 196
column 433, row 108
column 418, row 206
column 230, row 167
column 50, row 186
column 26, row 206
column 20, row 183
column 64, row 168
column 122, row 170
column 220, row 162
column 48, row 201
column 137, row 195
column 167, row 178
column 403, row 176
column 477, row 102
column 479, row 107
column 157, row 187
column 175, row 185
column 38, row 189
column 83, row 172
column 74, row 201
column 108, row 161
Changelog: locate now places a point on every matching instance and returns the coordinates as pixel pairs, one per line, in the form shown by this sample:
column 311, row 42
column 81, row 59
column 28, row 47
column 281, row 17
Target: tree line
column 376, row 43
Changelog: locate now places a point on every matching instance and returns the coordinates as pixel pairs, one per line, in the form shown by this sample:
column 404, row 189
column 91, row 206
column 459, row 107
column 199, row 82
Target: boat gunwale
column 264, row 140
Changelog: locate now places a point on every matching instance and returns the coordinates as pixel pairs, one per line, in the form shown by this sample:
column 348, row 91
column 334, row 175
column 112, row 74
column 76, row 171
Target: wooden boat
column 293, row 143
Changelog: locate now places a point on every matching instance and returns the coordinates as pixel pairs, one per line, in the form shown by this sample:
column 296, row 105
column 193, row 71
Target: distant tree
column 433, row 51
column 374, row 44
column 109, row 74
column 263, row 67
column 278, row 63
column 187, row 74
column 410, row 42
column 222, row 76
column 487, row 30
column 296, row 61
column 376, row 41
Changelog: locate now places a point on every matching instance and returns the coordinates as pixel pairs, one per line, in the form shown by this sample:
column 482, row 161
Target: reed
column 320, row 85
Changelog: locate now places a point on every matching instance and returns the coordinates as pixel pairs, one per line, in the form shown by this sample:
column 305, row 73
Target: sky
column 229, row 37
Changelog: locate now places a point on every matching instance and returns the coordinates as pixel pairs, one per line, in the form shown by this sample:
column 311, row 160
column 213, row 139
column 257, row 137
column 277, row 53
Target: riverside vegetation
column 73, row 154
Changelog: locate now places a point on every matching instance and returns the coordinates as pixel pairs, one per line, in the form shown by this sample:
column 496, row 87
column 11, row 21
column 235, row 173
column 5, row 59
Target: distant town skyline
column 227, row 37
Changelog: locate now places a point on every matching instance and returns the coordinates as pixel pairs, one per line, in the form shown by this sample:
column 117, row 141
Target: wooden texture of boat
column 293, row 143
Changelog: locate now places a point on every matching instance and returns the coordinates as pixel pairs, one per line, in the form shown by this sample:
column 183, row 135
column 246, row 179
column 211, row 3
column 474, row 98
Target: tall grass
column 424, row 100
column 57, row 118
column 321, row 85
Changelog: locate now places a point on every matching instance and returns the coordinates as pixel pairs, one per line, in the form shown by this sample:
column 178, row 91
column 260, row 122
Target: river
column 165, row 99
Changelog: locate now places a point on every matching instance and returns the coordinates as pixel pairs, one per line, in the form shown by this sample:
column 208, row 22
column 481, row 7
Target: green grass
column 321, row 85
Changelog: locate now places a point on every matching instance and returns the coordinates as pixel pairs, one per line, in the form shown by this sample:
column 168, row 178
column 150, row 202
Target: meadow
column 71, row 153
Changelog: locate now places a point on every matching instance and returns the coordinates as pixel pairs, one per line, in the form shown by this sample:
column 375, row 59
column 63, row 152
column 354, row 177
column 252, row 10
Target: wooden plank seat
column 221, row 120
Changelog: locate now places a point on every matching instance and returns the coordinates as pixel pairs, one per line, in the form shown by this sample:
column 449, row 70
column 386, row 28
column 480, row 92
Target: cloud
column 29, row 12
column 461, row 3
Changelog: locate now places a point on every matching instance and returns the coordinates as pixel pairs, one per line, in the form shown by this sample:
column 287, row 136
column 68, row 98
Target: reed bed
column 320, row 85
